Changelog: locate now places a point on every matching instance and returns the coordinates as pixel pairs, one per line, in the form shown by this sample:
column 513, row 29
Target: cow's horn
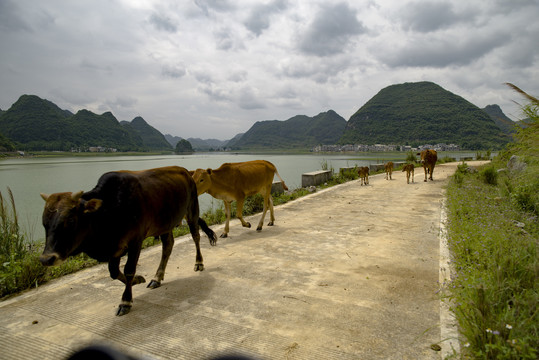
column 44, row 196
column 76, row 196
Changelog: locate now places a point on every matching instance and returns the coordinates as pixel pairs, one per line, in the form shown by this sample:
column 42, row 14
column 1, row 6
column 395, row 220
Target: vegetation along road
column 349, row 272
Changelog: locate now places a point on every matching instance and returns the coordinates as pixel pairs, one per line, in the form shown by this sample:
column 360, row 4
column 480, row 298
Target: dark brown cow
column 363, row 173
column 409, row 168
column 114, row 218
column 428, row 160
column 389, row 169
column 236, row 181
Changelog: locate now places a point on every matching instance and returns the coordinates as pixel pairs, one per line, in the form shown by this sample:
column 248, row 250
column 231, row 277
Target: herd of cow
column 125, row 207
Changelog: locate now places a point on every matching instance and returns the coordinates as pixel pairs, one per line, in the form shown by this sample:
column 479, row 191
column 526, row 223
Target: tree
column 183, row 147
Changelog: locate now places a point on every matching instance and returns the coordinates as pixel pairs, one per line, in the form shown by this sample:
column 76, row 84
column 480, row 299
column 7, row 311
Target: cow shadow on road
column 239, row 234
column 152, row 307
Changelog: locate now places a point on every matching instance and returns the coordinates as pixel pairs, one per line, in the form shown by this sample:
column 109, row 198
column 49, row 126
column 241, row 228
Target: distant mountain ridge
column 33, row 123
column 507, row 125
column 419, row 113
column 300, row 131
column 150, row 136
column 402, row 114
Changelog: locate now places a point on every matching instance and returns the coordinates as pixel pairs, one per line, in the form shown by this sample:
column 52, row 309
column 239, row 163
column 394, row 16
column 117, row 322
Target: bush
column 489, row 175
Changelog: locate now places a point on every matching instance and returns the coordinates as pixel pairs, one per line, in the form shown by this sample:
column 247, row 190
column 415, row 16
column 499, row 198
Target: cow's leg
column 194, row 229
column 116, row 274
column 272, row 216
column 413, row 174
column 239, row 212
column 227, row 213
column 426, row 171
column 129, row 271
column 267, row 196
column 431, row 171
column 167, row 242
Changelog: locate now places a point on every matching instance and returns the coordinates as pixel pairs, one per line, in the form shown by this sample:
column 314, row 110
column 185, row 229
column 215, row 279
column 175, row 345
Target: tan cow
column 363, row 172
column 428, row 160
column 389, row 169
column 235, row 181
column 409, row 168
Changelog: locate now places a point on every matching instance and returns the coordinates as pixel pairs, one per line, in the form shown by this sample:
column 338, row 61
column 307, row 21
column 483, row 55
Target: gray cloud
column 259, row 18
column 331, row 30
column 249, row 100
column 428, row 16
column 163, row 23
column 442, row 50
column 214, row 5
column 172, row 71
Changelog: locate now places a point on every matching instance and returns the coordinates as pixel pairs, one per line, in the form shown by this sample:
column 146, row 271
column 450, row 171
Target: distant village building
column 382, row 148
column 101, row 149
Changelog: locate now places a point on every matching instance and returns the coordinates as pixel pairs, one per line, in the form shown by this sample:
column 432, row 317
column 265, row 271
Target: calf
column 363, row 172
column 428, row 160
column 113, row 219
column 236, row 181
column 409, row 168
column 389, row 169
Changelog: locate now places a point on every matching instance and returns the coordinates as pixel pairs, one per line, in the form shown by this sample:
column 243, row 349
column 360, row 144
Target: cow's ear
column 208, row 171
column 92, row 205
column 44, row 196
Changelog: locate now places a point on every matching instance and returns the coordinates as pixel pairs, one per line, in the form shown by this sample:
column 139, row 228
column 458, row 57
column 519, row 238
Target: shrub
column 489, row 175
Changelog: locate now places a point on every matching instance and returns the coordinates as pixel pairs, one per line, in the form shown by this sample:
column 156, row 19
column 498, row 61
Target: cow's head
column 65, row 219
column 202, row 180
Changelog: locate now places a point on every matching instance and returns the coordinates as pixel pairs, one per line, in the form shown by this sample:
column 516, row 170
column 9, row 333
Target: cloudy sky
column 212, row 68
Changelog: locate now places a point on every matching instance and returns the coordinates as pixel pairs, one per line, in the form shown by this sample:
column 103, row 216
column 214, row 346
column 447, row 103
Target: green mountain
column 421, row 113
column 6, row 144
column 297, row 132
column 33, row 123
column 507, row 125
column 151, row 137
column 89, row 129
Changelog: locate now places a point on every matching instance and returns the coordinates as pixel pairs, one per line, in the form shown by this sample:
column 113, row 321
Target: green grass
column 493, row 235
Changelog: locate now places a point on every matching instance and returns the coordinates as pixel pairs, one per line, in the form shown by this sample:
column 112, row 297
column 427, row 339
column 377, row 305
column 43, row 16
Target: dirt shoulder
column 350, row 272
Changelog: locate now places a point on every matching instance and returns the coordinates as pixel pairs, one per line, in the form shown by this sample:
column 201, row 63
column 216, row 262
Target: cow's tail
column 209, row 232
column 280, row 178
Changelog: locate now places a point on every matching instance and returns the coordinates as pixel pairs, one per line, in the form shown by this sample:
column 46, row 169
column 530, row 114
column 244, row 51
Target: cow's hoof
column 247, row 225
column 138, row 279
column 270, row 223
column 123, row 309
column 154, row 284
column 223, row 235
column 199, row 267
column 213, row 240
column 259, row 229
column 425, row 180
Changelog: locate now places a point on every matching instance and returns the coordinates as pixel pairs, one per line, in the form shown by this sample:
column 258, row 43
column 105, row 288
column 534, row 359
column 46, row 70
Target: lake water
column 28, row 177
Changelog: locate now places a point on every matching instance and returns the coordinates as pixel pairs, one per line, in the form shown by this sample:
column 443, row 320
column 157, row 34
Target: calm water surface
column 28, row 177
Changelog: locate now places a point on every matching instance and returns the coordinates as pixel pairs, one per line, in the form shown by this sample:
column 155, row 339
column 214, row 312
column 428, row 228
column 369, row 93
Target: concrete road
column 350, row 272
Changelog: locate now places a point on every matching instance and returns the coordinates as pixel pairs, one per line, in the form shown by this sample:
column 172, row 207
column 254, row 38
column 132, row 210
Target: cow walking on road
column 113, row 219
column 236, row 181
column 389, row 169
column 428, row 160
column 363, row 173
column 409, row 168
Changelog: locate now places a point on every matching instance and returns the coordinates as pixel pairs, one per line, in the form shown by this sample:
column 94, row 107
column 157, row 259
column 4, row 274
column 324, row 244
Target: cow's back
column 149, row 202
column 249, row 176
